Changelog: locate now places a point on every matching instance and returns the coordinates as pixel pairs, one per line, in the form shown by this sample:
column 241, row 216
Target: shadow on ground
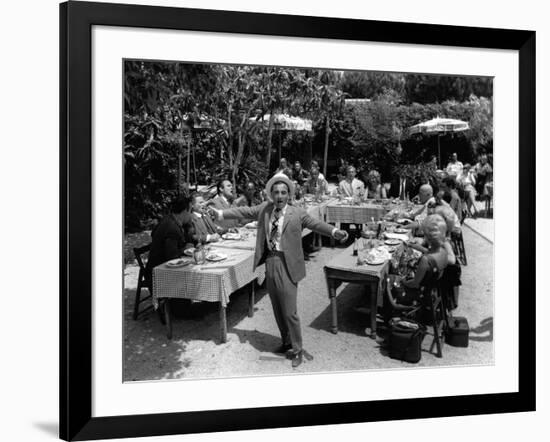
column 484, row 328
column 51, row 428
column 352, row 305
column 147, row 349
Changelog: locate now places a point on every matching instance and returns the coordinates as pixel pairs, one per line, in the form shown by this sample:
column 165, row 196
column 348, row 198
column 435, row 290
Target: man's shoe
column 284, row 349
column 297, row 359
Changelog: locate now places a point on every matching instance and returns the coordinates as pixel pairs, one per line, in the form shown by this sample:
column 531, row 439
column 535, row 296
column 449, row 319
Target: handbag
column 405, row 342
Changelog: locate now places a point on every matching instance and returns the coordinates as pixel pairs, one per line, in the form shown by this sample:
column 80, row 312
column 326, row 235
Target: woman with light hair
column 435, row 255
column 375, row 189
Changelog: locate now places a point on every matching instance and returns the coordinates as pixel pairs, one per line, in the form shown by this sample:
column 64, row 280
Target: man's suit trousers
column 283, row 294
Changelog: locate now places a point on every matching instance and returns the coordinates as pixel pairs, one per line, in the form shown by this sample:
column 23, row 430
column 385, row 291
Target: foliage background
column 223, row 115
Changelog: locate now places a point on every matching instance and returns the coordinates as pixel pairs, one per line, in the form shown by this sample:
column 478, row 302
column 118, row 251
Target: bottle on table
column 199, row 254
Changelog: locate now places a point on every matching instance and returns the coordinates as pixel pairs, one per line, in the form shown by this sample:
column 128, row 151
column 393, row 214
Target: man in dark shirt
column 172, row 235
column 298, row 174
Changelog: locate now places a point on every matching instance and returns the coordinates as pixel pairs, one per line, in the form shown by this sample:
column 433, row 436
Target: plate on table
column 377, row 256
column 178, row 262
column 392, row 242
column 189, row 252
column 215, row 256
column 231, row 236
column 252, row 225
column 401, row 231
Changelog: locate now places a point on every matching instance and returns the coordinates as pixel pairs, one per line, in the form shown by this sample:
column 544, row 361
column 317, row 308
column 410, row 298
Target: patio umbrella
column 439, row 126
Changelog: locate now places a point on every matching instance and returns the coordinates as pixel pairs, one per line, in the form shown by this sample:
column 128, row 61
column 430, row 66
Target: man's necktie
column 274, row 228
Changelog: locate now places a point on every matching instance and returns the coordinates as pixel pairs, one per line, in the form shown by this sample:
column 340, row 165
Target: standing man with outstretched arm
column 279, row 245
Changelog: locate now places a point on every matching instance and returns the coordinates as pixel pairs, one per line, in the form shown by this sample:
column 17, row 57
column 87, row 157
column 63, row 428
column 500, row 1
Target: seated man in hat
column 279, row 246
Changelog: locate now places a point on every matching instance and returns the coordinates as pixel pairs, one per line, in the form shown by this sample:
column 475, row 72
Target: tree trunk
column 269, row 140
column 178, row 186
column 240, row 149
column 309, row 150
column 230, row 137
column 188, row 162
column 325, row 157
column 194, row 167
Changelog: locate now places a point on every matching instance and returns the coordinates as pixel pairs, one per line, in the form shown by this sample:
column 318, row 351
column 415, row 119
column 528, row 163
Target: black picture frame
column 76, row 21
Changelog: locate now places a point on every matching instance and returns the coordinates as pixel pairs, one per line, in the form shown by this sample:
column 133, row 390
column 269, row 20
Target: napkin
column 400, row 236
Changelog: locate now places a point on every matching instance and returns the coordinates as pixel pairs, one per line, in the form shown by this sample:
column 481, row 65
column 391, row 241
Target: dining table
column 362, row 212
column 212, row 281
column 346, row 267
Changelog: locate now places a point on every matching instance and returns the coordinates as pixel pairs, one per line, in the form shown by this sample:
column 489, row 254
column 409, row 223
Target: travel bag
column 457, row 332
column 405, row 341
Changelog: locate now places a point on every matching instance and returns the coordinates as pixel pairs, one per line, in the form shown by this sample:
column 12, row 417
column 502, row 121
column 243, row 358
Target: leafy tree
column 367, row 84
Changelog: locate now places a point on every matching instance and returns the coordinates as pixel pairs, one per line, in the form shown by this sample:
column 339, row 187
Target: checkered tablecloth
column 212, row 281
column 340, row 213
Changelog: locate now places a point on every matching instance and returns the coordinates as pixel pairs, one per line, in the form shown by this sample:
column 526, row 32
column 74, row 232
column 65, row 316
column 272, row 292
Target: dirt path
column 195, row 351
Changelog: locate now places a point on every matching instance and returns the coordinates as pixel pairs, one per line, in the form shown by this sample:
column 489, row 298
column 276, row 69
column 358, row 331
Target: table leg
column 223, row 324
column 251, row 299
column 373, row 308
column 333, row 306
column 167, row 318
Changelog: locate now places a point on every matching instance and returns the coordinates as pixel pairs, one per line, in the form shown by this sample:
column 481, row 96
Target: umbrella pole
column 188, row 163
column 178, row 187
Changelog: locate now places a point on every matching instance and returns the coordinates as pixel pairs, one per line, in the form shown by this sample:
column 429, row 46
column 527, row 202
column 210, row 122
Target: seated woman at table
column 315, row 184
column 434, row 258
column 421, row 243
column 375, row 189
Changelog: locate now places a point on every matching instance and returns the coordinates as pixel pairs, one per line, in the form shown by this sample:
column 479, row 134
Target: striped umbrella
column 439, row 126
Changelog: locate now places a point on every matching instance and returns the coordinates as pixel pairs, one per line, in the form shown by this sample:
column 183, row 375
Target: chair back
column 140, row 253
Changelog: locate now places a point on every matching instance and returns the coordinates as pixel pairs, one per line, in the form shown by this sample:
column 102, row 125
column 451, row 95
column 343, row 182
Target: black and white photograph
column 292, row 220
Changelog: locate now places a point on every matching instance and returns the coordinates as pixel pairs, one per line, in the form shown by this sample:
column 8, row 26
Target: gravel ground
column 196, row 352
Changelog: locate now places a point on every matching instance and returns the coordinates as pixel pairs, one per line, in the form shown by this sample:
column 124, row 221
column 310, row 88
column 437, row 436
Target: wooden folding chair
column 144, row 281
column 430, row 301
column 457, row 242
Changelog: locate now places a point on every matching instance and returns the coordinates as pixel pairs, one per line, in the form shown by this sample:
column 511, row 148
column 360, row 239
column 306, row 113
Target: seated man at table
column 351, row 186
column 250, row 196
column 204, row 228
column 172, row 235
column 401, row 187
column 222, row 201
column 298, row 174
column 315, row 183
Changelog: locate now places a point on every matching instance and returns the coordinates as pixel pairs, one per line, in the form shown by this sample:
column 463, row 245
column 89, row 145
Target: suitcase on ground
column 458, row 332
column 405, row 342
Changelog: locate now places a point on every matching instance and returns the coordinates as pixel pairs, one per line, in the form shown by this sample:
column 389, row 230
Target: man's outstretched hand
column 341, row 235
column 215, row 213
